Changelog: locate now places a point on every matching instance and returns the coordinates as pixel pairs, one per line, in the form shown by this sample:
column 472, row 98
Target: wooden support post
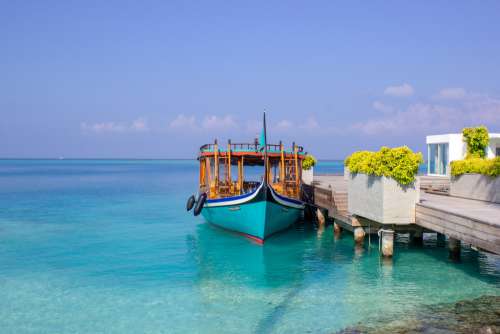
column 417, row 238
column 359, row 235
column 387, row 242
column 454, row 249
column 440, row 240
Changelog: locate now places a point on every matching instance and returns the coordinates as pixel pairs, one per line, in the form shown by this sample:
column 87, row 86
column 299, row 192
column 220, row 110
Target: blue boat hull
column 257, row 215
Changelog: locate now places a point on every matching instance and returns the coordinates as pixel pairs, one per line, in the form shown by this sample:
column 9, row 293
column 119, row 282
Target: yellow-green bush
column 477, row 140
column 308, row 162
column 489, row 167
column 399, row 163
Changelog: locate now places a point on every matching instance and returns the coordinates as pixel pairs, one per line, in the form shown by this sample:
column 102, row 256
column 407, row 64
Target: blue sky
column 156, row 79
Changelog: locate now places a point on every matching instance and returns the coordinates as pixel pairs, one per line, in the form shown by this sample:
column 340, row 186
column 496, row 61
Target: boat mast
column 266, row 175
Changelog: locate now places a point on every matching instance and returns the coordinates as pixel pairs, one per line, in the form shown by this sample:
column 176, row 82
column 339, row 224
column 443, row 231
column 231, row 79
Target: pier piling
column 321, row 217
column 454, row 249
column 417, row 238
column 336, row 228
column 387, row 242
column 440, row 240
column 359, row 235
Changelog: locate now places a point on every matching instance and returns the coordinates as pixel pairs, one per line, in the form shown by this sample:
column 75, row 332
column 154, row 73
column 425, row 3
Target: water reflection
column 288, row 257
column 226, row 256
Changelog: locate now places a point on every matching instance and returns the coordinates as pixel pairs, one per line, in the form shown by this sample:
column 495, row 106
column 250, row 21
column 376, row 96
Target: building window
column 437, row 159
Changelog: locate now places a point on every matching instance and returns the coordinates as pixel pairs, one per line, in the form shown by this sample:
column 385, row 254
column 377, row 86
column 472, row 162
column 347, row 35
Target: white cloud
column 209, row 123
column 138, row 125
column 284, row 125
column 483, row 109
column 310, row 124
column 456, row 93
column 399, row 91
column 430, row 118
column 182, row 122
column 382, row 107
column 103, row 127
column 416, row 117
column 214, row 122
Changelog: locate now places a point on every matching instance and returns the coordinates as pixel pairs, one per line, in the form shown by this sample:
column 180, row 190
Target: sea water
column 106, row 246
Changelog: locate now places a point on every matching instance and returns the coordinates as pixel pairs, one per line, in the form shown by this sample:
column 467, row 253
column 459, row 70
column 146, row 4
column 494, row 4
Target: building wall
column 491, row 150
column 458, row 149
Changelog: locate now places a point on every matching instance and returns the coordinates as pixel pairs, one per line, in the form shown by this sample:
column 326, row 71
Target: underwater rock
column 481, row 315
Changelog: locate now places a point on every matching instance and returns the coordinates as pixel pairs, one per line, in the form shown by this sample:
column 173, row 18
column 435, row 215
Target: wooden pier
column 474, row 222
column 470, row 221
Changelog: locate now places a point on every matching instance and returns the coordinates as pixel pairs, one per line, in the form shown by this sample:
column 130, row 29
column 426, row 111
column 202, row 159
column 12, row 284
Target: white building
column 441, row 149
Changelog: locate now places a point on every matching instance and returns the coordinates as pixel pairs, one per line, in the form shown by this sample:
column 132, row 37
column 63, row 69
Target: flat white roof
column 444, row 138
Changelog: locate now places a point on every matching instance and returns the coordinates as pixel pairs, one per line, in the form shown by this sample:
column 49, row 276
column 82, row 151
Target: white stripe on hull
column 285, row 202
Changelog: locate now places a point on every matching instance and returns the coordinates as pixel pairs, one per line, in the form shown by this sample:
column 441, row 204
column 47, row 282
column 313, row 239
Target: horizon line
column 96, row 158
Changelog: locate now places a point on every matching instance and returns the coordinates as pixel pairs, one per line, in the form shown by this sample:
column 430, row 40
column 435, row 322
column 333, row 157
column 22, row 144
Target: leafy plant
column 489, row 167
column 477, row 140
column 399, row 163
column 308, row 162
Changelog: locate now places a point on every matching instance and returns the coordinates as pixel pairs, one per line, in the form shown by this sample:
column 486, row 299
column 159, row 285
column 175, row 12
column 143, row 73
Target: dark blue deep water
column 106, row 246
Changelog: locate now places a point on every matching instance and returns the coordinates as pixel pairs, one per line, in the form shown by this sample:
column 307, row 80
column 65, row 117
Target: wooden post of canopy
column 297, row 179
column 240, row 175
column 202, row 172
column 216, row 167
column 242, row 178
column 238, row 188
column 282, row 167
column 269, row 172
column 228, row 162
column 209, row 174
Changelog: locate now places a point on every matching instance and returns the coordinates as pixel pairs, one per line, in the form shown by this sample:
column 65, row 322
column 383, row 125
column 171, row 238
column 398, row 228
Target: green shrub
column 489, row 167
column 477, row 140
column 399, row 163
column 308, row 162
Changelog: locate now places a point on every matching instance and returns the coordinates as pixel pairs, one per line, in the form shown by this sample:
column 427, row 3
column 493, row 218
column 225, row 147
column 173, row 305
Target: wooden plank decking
column 474, row 222
column 332, row 193
column 438, row 184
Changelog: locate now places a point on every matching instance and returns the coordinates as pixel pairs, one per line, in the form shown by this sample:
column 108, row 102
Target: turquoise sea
column 106, row 246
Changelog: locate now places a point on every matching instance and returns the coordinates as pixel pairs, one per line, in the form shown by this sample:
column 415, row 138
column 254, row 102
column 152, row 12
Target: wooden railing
column 248, row 146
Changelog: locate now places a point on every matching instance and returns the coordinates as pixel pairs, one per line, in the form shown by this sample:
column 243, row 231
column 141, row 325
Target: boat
column 254, row 208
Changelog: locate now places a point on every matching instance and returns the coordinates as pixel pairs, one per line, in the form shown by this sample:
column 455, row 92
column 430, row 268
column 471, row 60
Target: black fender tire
column 199, row 204
column 190, row 202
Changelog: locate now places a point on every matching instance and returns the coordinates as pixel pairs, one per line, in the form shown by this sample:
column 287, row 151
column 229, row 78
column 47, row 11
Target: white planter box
column 308, row 176
column 476, row 186
column 382, row 199
column 346, row 173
